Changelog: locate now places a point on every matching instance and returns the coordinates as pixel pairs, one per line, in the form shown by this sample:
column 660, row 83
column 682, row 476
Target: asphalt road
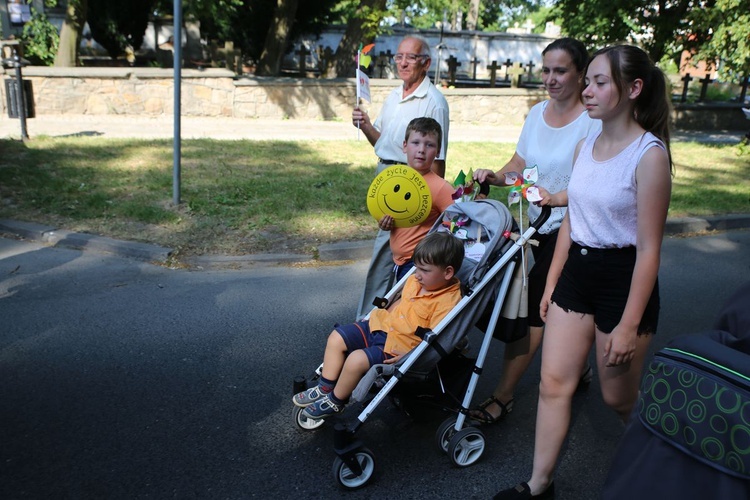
column 121, row 379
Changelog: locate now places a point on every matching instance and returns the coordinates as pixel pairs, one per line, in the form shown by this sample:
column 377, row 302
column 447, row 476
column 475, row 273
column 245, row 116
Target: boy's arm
column 438, row 166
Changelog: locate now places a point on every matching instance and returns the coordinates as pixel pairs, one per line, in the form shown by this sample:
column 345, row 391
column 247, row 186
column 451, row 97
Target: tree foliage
column 725, row 27
column 660, row 26
column 119, row 27
column 364, row 24
column 246, row 22
column 494, row 15
column 713, row 29
column 40, row 40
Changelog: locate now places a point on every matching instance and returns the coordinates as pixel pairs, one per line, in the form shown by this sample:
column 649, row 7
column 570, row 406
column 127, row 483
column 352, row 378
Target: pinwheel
column 464, row 190
column 523, row 187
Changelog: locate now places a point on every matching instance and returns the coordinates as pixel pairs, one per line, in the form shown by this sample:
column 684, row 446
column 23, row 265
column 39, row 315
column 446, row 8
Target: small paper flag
column 364, row 59
column 460, row 179
column 363, row 86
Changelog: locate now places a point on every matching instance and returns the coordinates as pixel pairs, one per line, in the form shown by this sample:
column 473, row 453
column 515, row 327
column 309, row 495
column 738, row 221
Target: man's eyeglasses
column 409, row 58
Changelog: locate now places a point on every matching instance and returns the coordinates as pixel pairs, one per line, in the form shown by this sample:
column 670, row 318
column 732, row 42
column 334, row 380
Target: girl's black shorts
column 597, row 281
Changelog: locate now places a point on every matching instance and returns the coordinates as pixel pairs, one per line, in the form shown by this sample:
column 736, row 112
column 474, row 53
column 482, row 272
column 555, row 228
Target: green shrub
column 40, row 39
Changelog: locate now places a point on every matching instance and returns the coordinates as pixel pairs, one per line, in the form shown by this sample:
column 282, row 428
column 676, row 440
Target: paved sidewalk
column 118, row 126
column 234, row 129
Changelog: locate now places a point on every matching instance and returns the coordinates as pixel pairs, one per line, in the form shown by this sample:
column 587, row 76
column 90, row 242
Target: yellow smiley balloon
column 402, row 193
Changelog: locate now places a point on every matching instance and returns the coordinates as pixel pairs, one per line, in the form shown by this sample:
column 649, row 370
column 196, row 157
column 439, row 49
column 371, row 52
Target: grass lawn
column 242, row 197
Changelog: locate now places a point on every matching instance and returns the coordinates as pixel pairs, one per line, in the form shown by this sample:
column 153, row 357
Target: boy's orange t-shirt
column 404, row 239
column 413, row 310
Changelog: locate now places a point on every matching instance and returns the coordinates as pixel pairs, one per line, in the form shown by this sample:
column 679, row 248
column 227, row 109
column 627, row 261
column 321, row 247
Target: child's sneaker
column 322, row 408
column 308, row 397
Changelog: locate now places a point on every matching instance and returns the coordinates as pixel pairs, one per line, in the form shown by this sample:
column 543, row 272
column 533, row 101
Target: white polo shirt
column 397, row 112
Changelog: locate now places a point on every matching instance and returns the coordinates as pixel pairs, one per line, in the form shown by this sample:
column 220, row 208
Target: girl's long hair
column 652, row 106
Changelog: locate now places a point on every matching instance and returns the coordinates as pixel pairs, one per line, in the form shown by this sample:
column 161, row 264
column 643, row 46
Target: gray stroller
column 487, row 276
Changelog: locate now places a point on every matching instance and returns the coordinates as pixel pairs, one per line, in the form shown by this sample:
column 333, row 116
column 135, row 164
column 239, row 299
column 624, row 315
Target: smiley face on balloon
column 402, row 193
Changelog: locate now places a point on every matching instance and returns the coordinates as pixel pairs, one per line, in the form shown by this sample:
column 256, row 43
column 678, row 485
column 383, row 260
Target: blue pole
column 177, row 43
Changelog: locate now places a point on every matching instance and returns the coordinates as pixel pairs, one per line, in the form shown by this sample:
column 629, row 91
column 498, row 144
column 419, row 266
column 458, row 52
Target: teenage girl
column 602, row 284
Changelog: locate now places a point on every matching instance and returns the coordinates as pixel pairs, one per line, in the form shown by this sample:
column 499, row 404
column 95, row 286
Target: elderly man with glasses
column 415, row 97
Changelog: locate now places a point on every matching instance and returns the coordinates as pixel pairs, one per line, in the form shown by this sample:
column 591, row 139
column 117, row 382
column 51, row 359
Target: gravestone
column 453, row 65
column 474, row 63
column 687, row 79
column 302, row 53
column 516, row 72
column 529, row 72
column 325, row 58
column 493, row 73
column 231, row 57
column 704, row 86
column 508, row 64
column 384, row 62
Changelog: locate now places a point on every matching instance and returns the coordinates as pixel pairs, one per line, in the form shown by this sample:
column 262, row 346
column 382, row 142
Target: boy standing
column 421, row 145
column 428, row 296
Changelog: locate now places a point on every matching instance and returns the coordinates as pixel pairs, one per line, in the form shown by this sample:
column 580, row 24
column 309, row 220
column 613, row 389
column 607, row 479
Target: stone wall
column 219, row 92
column 710, row 116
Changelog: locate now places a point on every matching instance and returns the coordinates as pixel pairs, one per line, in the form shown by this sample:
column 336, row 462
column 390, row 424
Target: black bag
column 689, row 436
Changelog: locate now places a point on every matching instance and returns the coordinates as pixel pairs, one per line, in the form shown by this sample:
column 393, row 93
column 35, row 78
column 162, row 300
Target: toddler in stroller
column 493, row 258
column 429, row 294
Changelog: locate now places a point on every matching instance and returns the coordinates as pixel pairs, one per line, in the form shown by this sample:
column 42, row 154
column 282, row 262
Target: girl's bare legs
column 568, row 339
column 620, row 384
column 516, row 360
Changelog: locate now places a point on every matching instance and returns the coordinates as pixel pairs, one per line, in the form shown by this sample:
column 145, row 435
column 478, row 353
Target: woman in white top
column 602, row 284
column 548, row 140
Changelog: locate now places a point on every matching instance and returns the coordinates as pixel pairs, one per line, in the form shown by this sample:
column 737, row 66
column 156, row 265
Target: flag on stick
column 363, row 81
column 363, row 86
column 363, row 59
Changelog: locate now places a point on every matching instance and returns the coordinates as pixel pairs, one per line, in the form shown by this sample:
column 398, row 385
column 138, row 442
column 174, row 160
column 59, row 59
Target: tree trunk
column 472, row 17
column 356, row 33
column 70, row 34
column 277, row 38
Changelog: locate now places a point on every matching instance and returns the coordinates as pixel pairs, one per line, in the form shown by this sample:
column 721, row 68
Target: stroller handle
column 539, row 222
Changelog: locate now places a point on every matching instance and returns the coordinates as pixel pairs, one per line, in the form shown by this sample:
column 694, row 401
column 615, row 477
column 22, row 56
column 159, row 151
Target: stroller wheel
column 344, row 475
column 304, row 423
column 466, row 446
column 444, row 434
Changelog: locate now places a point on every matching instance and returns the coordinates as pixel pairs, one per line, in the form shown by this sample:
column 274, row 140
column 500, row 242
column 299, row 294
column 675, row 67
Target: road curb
column 685, row 225
column 87, row 242
column 240, row 261
column 332, row 252
column 345, row 250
